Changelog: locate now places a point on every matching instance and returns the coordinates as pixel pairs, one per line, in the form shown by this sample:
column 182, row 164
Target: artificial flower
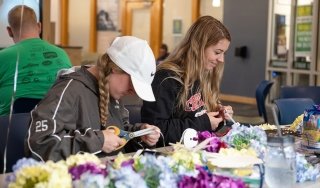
column 117, row 163
column 125, row 177
column 50, row 174
column 243, row 137
column 182, row 168
column 91, row 168
column 187, row 159
column 206, row 179
column 82, row 158
column 214, row 145
column 88, row 180
column 305, row 171
column 24, row 162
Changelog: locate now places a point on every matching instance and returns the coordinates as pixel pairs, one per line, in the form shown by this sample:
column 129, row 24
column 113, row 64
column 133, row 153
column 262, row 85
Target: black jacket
column 165, row 114
column 67, row 120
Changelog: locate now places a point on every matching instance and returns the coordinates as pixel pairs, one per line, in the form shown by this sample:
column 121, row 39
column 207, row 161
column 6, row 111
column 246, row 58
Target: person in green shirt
column 38, row 61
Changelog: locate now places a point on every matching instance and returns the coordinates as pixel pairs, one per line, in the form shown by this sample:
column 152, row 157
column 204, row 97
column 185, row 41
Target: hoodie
column 67, row 120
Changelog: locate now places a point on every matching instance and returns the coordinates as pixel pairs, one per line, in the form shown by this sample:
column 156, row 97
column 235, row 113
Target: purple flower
column 207, row 180
column 215, row 144
column 77, row 171
column 127, row 163
column 204, row 135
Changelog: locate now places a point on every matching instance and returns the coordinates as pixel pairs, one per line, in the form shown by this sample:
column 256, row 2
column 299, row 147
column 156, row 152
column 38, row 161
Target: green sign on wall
column 303, row 30
column 303, row 37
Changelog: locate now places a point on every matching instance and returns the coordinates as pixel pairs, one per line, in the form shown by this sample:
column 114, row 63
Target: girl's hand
column 152, row 138
column 228, row 110
column 215, row 119
column 111, row 141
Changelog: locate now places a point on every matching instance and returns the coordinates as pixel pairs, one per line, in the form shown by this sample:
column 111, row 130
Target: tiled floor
column 247, row 113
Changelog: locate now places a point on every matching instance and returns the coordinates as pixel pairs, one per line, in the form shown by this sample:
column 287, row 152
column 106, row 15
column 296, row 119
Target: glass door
column 294, row 40
column 281, row 32
column 304, row 57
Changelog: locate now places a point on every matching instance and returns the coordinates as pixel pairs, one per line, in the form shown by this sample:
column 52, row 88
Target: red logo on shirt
column 194, row 103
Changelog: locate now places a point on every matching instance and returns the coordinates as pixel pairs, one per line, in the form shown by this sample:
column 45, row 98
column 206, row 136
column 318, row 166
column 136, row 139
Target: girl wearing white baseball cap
column 75, row 113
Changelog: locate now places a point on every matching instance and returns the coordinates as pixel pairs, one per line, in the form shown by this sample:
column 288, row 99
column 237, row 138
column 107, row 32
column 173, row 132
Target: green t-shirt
column 38, row 64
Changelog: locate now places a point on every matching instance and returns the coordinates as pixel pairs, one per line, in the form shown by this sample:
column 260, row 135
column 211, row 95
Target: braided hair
column 105, row 67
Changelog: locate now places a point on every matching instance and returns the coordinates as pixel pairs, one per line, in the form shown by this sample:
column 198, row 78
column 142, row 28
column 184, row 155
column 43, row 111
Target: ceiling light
column 216, row 3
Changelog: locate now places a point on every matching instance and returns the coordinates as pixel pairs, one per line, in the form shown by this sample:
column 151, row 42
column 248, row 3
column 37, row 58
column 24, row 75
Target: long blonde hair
column 187, row 61
column 105, row 67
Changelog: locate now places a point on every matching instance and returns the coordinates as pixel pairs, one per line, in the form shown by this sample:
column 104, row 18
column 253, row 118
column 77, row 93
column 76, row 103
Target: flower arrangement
column 243, row 137
column 86, row 170
column 305, row 171
column 30, row 173
column 182, row 168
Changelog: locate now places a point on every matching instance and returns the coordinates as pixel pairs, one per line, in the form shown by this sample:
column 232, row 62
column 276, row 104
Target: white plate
column 233, row 161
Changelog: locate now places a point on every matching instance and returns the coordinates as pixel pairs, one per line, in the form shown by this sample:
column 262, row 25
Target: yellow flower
column 59, row 176
column 79, row 159
column 48, row 175
column 119, row 160
column 30, row 176
column 296, row 123
column 187, row 158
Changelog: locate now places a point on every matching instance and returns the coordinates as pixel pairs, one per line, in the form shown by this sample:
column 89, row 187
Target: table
column 309, row 184
column 3, row 180
column 168, row 149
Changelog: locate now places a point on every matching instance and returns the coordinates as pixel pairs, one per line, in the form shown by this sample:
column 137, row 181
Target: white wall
column 206, row 8
column 79, row 23
column 79, row 26
column 104, row 38
column 171, row 12
column 184, row 12
column 55, row 18
column 5, row 6
column 141, row 29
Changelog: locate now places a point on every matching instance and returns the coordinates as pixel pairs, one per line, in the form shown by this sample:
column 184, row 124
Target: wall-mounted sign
column 107, row 15
column 303, row 31
column 177, row 26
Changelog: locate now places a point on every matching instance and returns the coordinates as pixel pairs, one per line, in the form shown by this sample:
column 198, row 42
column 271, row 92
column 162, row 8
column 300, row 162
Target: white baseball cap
column 135, row 57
